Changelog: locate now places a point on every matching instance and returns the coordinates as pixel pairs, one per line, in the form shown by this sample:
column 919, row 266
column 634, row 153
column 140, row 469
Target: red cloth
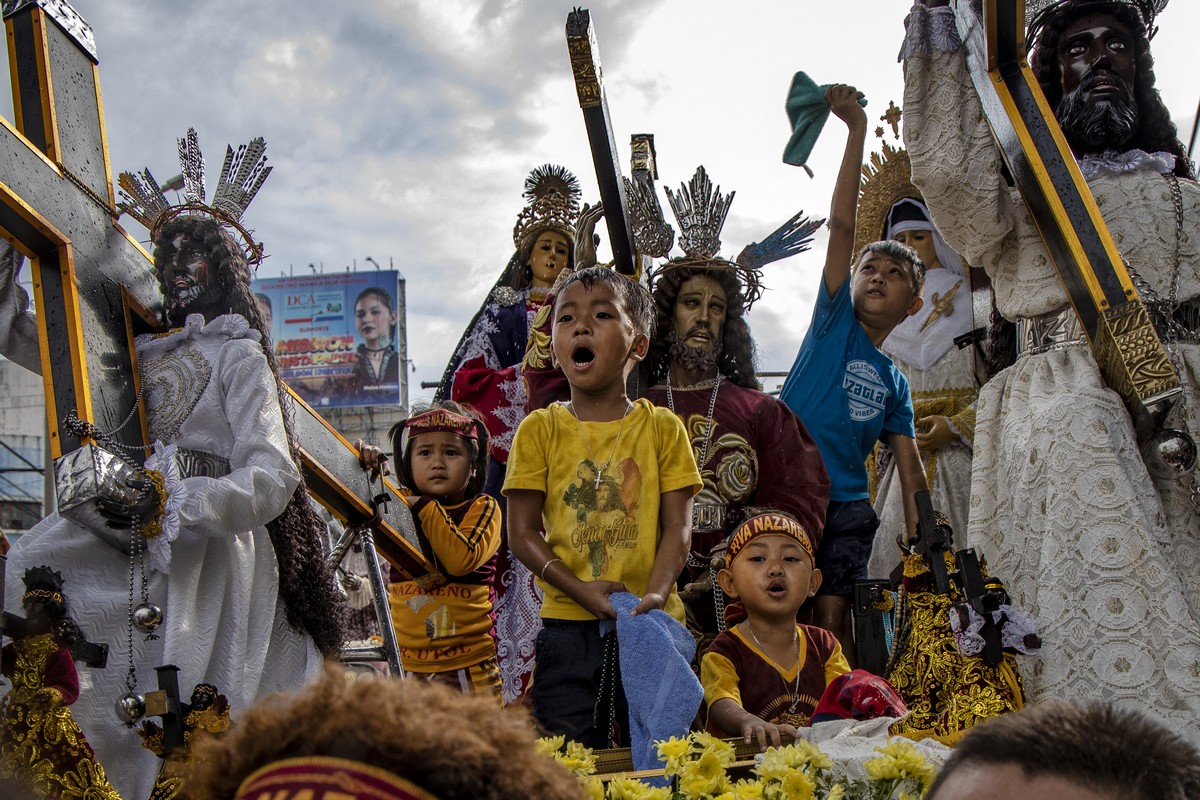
column 859, row 695
column 482, row 388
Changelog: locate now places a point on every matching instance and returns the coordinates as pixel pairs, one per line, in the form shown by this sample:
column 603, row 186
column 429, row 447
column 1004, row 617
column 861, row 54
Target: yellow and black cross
column 94, row 285
column 1128, row 350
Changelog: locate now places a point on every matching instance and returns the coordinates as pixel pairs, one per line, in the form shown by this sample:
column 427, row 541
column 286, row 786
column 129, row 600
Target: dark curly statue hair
column 298, row 535
column 738, row 360
column 454, row 746
column 1155, row 131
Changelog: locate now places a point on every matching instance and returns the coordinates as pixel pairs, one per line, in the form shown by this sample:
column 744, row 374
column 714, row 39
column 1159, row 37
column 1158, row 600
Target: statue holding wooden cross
column 1081, row 488
column 227, row 578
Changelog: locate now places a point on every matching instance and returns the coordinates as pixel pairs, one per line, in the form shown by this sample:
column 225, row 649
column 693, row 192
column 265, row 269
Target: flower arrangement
column 698, row 768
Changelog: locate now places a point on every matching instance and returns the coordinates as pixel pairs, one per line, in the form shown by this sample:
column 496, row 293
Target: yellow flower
column 703, row 777
column 747, row 790
column 594, row 788
column 778, row 762
column 798, row 786
column 898, row 760
column 549, row 745
column 837, row 792
column 673, row 751
column 711, row 744
column 633, row 789
column 578, row 759
column 802, row 752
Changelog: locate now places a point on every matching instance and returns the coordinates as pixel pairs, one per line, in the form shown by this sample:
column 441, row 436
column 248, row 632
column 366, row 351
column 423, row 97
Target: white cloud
column 403, row 129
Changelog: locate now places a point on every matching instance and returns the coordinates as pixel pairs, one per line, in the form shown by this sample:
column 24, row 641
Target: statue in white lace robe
column 1106, row 556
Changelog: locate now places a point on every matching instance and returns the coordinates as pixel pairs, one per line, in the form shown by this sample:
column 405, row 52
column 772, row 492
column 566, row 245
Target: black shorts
column 846, row 546
column 567, row 682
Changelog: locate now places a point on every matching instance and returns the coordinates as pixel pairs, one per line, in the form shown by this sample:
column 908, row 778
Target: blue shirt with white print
column 848, row 393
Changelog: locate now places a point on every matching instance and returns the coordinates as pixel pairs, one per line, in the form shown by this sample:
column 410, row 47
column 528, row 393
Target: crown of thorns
column 242, row 175
column 1038, row 13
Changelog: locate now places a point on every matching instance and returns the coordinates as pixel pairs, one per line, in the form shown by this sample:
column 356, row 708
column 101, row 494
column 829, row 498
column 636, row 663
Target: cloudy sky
column 403, row 130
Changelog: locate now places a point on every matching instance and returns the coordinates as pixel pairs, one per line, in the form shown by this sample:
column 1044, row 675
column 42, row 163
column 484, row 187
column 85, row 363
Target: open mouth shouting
column 582, row 357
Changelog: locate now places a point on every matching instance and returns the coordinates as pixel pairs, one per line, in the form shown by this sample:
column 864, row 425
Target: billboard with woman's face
column 335, row 336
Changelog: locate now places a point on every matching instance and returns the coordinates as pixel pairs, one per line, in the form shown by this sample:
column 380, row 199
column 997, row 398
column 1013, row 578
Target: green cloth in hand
column 807, row 111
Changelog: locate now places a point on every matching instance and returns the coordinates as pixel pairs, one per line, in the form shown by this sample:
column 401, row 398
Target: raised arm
column 843, row 209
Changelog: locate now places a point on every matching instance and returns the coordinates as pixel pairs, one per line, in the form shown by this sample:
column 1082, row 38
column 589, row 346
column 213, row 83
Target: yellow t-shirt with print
column 603, row 482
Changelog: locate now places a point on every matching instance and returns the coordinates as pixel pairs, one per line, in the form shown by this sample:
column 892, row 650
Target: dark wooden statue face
column 186, row 278
column 700, row 314
column 1096, row 54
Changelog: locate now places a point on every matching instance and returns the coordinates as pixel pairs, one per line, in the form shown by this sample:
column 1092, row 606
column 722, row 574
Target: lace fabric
column 1107, row 558
column 929, row 31
column 1114, row 163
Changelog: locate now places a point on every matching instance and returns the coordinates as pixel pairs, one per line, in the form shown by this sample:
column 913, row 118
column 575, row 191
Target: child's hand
column 843, row 101
column 766, row 733
column 651, row 601
column 593, row 596
column 371, row 458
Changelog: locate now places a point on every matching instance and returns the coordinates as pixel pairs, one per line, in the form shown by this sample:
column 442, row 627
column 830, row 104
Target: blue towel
column 656, row 673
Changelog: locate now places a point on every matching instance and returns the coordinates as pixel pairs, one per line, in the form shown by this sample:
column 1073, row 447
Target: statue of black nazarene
column 1093, row 537
column 215, row 562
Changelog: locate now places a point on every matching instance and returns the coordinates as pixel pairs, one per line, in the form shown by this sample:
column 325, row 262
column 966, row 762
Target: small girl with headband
column 444, row 620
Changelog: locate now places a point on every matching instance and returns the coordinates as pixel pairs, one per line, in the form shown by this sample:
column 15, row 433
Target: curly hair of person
column 298, row 535
column 1155, row 132
column 453, row 745
column 738, row 360
column 478, row 450
column 1115, row 752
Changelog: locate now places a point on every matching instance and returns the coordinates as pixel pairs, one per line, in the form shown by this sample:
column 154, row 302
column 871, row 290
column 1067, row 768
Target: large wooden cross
column 589, row 86
column 89, row 275
column 1128, row 350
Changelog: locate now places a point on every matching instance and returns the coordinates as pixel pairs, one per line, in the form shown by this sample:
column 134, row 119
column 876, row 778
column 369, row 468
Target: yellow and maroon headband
column 438, row 420
column 766, row 525
column 315, row 777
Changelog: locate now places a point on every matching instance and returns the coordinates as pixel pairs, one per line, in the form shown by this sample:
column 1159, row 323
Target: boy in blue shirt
column 848, row 393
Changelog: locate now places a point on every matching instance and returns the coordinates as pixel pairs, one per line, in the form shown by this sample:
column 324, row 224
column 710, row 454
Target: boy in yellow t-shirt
column 612, row 482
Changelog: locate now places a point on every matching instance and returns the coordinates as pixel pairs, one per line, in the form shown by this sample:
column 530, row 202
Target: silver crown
column 242, row 175
column 700, row 211
column 1039, row 12
column 652, row 234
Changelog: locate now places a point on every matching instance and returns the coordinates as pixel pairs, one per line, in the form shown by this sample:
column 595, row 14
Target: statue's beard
column 692, row 359
column 195, row 299
column 1105, row 123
